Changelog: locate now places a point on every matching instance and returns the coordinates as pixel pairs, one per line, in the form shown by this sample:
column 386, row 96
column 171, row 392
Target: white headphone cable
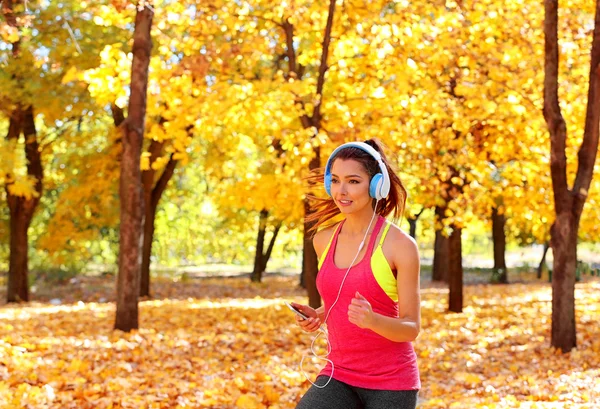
column 322, row 331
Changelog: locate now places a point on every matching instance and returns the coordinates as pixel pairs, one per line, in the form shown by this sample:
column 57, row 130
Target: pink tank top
column 361, row 357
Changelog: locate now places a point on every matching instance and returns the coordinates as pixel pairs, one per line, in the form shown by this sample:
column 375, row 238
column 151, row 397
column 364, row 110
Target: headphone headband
column 380, row 183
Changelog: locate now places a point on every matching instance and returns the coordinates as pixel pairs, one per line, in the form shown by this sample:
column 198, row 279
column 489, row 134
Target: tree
column 455, row 273
column 439, row 271
column 540, row 267
column 568, row 201
column 153, row 187
column 22, row 207
column 131, row 189
column 49, row 56
column 297, row 54
column 335, row 98
column 499, row 239
column 412, row 222
column 469, row 105
column 261, row 257
column 177, row 79
column 23, row 193
column 269, row 193
column 310, row 121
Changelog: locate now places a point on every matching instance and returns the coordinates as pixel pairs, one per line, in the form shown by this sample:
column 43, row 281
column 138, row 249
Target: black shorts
column 338, row 395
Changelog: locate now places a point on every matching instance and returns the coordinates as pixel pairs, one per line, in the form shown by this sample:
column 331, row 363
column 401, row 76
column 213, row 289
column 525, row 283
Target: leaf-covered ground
column 226, row 343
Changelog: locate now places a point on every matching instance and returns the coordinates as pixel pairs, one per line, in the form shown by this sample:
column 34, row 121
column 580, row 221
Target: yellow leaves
column 347, row 48
column 466, row 90
column 490, row 107
column 253, row 396
column 412, row 64
column 24, row 187
column 249, row 401
column 8, row 33
column 13, row 160
column 376, row 85
column 271, row 394
column 515, row 102
column 262, row 400
column 77, row 366
column 276, row 193
column 515, row 364
column 117, row 15
column 72, row 74
column 237, row 347
column 108, row 83
column 378, row 93
column 469, row 379
column 160, row 162
column 145, row 161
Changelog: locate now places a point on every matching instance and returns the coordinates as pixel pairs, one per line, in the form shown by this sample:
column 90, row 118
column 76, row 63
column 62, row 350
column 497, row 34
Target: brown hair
column 325, row 209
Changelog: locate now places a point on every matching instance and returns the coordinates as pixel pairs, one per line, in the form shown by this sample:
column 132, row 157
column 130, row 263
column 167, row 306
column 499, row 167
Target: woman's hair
column 325, row 209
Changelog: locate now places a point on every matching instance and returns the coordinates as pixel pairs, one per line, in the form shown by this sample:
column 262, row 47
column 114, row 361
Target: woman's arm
column 321, row 313
column 316, row 316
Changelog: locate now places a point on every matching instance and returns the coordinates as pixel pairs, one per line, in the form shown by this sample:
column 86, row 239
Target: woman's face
column 349, row 185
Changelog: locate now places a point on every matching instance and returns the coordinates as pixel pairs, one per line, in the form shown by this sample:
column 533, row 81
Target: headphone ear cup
column 375, row 186
column 327, row 183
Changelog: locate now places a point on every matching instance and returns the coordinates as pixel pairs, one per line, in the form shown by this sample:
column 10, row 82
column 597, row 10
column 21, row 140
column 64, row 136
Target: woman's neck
column 357, row 223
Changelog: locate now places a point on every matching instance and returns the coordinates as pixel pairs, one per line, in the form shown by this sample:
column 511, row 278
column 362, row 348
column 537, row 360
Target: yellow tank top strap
column 324, row 255
column 385, row 230
column 381, row 269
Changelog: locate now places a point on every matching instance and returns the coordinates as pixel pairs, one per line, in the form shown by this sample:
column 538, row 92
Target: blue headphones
column 379, row 187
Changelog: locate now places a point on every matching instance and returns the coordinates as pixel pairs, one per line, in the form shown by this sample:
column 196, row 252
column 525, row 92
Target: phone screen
column 296, row 311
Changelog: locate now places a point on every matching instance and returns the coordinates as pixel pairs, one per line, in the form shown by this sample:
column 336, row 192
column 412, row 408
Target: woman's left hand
column 360, row 312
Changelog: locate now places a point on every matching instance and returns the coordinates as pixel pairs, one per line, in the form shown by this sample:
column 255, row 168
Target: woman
column 369, row 281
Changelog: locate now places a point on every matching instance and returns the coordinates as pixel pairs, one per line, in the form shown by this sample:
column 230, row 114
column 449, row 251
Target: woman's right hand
column 312, row 323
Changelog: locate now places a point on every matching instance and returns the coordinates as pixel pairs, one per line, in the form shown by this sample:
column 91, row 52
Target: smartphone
column 296, row 311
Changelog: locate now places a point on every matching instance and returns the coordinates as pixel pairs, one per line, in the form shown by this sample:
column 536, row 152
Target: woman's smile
column 350, row 185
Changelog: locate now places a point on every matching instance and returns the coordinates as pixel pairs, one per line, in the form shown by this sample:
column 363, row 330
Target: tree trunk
column 261, row 259
column 568, row 203
column 412, row 222
column 260, row 243
column 302, row 284
column 440, row 258
column 440, row 250
column 149, row 218
column 117, row 114
column 152, row 195
column 499, row 237
column 131, row 190
column 564, row 249
column 18, row 229
column 310, row 268
column 267, row 256
column 543, row 261
column 22, row 208
column 18, row 286
column 455, row 302
column 312, row 121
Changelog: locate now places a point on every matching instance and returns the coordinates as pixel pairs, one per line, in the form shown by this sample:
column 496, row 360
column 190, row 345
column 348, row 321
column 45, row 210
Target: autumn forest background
column 153, row 166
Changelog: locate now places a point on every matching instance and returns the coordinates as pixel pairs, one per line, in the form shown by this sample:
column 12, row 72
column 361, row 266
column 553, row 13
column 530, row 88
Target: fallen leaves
column 497, row 354
column 200, row 348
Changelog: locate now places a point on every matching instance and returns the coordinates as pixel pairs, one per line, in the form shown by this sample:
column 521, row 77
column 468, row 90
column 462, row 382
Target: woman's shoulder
column 322, row 237
column 401, row 241
column 400, row 249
